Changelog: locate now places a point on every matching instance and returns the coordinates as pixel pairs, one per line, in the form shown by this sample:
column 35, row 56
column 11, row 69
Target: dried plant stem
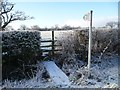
column 104, row 50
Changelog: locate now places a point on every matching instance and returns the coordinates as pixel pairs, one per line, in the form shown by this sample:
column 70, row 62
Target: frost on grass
column 103, row 75
column 38, row 81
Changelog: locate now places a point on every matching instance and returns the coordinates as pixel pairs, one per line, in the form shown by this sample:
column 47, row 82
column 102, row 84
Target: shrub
column 20, row 49
column 76, row 42
column 101, row 38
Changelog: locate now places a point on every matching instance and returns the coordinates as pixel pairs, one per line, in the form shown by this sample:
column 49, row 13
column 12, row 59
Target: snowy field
column 103, row 75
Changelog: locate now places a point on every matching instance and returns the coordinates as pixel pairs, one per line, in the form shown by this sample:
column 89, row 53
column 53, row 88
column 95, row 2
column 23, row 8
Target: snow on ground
column 103, row 75
column 56, row 74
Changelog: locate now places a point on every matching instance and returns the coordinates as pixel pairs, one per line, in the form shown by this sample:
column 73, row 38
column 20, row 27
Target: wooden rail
column 50, row 50
column 48, row 40
column 42, row 46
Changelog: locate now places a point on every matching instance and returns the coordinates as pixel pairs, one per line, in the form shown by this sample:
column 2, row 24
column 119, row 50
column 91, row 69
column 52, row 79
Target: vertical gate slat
column 53, row 42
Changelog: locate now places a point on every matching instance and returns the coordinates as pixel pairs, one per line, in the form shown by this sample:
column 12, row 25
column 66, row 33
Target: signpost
column 90, row 42
column 88, row 17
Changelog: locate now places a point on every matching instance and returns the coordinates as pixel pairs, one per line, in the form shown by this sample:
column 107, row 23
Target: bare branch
column 104, row 50
column 5, row 8
column 8, row 17
column 3, row 18
column 6, row 23
column 20, row 16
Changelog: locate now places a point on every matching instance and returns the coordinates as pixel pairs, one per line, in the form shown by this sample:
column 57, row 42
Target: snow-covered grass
column 103, row 75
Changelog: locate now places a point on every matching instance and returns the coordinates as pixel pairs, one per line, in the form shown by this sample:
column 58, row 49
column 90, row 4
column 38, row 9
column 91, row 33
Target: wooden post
column 90, row 42
column 53, row 42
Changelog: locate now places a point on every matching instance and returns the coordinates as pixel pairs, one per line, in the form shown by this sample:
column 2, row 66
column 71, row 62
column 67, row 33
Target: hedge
column 20, row 49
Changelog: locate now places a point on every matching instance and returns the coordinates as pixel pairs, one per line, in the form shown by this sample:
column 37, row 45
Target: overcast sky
column 48, row 14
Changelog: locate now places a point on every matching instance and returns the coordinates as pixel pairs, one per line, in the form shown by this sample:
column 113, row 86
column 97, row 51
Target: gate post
column 53, row 42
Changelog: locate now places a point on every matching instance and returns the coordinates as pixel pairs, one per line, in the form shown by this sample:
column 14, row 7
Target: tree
column 56, row 27
column 111, row 24
column 9, row 28
column 23, row 27
column 66, row 27
column 8, row 15
column 35, row 27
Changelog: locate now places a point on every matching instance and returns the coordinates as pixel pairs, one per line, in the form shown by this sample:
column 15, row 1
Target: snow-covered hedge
column 75, row 43
column 19, row 50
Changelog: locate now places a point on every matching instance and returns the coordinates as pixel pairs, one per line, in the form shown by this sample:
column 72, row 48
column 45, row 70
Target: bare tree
column 8, row 15
column 9, row 28
column 56, row 27
column 66, row 27
column 35, row 27
column 112, row 24
column 23, row 27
